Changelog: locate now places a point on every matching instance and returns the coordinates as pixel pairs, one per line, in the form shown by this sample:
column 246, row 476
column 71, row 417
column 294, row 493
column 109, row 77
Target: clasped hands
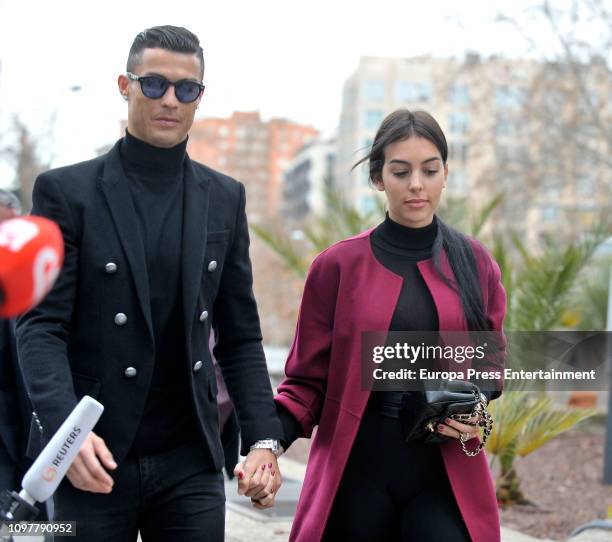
column 259, row 477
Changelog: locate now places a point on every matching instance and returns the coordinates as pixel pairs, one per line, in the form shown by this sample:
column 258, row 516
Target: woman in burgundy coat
column 412, row 272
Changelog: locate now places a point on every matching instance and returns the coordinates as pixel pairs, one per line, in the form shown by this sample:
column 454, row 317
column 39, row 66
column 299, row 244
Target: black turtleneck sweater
column 155, row 178
column 399, row 248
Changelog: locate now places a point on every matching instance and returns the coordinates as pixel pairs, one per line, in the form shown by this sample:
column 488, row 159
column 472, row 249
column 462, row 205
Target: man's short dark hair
column 170, row 38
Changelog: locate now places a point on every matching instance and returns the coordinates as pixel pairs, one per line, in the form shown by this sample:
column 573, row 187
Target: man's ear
column 124, row 86
column 200, row 98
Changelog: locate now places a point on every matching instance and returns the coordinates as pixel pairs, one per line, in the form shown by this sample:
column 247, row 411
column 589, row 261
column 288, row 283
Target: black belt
column 387, row 403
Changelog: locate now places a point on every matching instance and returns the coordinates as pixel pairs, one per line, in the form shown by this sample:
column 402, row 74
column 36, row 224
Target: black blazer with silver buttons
column 93, row 333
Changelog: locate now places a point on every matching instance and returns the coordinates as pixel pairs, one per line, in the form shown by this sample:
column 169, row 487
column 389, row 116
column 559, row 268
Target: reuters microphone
column 31, row 256
column 43, row 477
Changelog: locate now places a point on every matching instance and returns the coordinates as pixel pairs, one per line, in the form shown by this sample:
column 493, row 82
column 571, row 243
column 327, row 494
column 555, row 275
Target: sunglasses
column 155, row 86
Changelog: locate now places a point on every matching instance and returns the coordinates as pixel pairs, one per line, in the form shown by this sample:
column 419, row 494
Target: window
column 509, row 97
column 549, row 213
column 458, row 152
column 458, row 181
column 587, row 104
column 506, row 126
column 459, row 95
column 373, row 118
column 459, row 122
column 374, row 91
column 409, row 91
column 502, row 153
column 552, row 192
column 587, row 184
column 512, row 153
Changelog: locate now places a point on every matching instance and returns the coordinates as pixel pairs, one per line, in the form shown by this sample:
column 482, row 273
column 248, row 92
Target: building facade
column 253, row 151
column 530, row 130
column 306, row 179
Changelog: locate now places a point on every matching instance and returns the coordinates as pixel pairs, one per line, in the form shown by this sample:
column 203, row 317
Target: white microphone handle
column 50, row 467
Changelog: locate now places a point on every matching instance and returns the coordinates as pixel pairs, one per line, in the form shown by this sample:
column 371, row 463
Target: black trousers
column 172, row 496
column 394, row 491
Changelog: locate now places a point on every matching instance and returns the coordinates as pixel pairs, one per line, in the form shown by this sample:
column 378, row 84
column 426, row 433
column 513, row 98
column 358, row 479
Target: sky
column 60, row 60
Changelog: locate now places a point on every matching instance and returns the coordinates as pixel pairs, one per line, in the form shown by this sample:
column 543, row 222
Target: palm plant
column 339, row 222
column 542, row 288
column 591, row 303
column 524, row 421
column 539, row 292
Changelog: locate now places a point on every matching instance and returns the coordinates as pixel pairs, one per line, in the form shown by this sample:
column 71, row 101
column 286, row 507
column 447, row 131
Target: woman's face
column 412, row 178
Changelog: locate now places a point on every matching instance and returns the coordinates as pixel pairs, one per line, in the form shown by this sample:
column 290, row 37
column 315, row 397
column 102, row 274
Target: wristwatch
column 269, row 444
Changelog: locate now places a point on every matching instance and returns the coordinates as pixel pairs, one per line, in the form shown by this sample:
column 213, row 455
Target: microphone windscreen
column 51, row 465
column 31, row 256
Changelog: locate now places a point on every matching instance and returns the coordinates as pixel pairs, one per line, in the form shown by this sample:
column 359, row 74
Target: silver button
column 120, row 319
column 197, row 366
column 203, row 316
column 110, row 268
column 212, row 265
column 130, row 372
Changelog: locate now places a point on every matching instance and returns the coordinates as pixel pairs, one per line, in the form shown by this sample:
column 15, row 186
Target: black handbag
column 422, row 412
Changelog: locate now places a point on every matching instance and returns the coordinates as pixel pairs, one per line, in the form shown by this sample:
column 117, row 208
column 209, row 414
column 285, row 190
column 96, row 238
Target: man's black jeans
column 172, row 496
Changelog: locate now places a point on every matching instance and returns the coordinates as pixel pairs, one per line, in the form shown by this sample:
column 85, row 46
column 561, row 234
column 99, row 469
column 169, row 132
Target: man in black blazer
column 157, row 256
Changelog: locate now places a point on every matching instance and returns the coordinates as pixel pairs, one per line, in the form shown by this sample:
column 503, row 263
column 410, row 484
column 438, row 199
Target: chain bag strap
column 485, row 421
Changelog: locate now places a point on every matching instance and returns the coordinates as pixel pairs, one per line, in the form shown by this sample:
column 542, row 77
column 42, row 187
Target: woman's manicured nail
column 269, row 465
column 241, row 475
column 440, row 428
column 263, row 467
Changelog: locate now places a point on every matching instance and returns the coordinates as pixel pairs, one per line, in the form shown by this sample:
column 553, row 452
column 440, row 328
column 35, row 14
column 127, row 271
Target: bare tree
column 25, row 156
column 565, row 114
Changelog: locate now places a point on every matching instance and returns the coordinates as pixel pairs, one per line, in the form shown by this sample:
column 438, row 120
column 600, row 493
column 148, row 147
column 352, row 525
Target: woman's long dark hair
column 403, row 124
